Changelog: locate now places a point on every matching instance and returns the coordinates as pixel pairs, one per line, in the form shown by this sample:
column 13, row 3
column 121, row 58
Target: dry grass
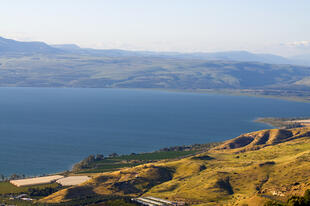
column 275, row 163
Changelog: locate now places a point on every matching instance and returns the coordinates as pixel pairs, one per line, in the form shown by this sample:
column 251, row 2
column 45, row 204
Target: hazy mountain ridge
column 227, row 55
column 36, row 64
column 18, row 47
column 12, row 47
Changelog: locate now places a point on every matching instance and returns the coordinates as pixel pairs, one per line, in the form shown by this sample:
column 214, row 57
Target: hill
column 18, row 48
column 36, row 64
column 243, row 56
column 250, row 169
column 156, row 73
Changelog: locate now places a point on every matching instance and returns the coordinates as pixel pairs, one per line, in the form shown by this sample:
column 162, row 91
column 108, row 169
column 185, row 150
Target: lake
column 46, row 130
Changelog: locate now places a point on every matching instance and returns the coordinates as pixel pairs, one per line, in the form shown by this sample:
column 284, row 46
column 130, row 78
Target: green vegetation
column 93, row 165
column 107, row 168
column 91, row 200
column 186, row 74
column 8, row 188
column 157, row 155
column 194, row 147
column 248, row 170
column 286, row 123
column 42, row 192
column 98, row 163
column 293, row 201
column 7, row 201
column 118, row 203
column 268, row 167
column 98, row 200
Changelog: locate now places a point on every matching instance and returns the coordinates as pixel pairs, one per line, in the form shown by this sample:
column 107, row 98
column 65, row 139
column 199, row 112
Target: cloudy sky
column 269, row 26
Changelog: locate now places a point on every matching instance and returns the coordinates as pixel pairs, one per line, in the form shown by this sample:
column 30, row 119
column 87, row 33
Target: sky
column 264, row 26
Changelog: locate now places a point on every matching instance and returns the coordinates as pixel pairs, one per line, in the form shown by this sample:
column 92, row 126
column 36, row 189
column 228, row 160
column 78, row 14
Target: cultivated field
column 36, row 181
column 7, row 188
column 305, row 122
column 73, row 180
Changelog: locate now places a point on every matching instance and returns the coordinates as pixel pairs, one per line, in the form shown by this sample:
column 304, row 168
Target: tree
column 113, row 155
column 14, row 177
column 99, row 157
column 307, row 197
column 272, row 203
column 90, row 159
column 86, row 163
column 2, row 177
column 296, row 201
column 293, row 201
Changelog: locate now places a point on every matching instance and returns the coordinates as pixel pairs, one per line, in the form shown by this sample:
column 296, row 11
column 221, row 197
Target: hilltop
column 250, row 169
column 19, row 48
column 16, row 48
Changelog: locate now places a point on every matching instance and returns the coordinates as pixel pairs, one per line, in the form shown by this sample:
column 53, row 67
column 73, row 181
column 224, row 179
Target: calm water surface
column 44, row 130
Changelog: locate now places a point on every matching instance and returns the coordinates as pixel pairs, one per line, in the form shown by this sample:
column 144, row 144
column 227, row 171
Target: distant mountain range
column 36, row 64
column 229, row 55
column 12, row 47
column 226, row 55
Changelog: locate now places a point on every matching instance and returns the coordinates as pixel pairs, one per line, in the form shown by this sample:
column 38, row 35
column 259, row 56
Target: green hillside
column 248, row 170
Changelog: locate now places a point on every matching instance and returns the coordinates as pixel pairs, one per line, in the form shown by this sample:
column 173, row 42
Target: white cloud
column 298, row 44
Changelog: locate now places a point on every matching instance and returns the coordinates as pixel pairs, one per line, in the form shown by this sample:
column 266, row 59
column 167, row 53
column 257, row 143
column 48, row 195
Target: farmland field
column 7, row 188
column 114, row 163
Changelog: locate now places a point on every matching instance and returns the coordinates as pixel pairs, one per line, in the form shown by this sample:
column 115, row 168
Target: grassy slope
column 115, row 163
column 273, row 165
column 8, row 188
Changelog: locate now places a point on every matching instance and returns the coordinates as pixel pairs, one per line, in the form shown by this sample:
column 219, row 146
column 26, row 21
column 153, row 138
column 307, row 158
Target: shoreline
column 279, row 122
column 194, row 148
column 222, row 92
column 231, row 92
column 64, row 172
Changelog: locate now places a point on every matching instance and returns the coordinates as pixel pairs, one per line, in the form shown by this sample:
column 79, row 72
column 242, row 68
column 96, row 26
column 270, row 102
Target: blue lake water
column 46, row 130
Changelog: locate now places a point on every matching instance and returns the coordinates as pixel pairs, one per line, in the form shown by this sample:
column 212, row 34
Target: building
column 154, row 201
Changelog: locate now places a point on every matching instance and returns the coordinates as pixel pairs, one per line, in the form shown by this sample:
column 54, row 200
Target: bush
column 296, row 201
column 37, row 192
column 293, row 201
column 273, row 203
column 307, row 197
